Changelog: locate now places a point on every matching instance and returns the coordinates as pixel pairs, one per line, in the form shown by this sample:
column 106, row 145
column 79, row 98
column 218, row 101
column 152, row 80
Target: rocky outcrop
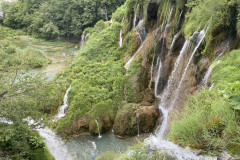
column 131, row 117
column 80, row 126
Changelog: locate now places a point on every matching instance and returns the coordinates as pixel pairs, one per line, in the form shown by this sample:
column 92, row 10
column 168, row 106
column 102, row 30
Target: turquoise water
column 90, row 147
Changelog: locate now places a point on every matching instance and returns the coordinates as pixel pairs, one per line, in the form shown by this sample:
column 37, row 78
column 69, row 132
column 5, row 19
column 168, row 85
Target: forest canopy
column 57, row 18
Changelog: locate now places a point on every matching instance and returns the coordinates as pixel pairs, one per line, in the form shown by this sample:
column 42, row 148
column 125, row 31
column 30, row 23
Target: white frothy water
column 128, row 64
column 135, row 17
column 55, row 144
column 99, row 134
column 63, row 109
column 161, row 128
column 120, row 39
column 157, row 141
column 83, row 40
column 209, row 71
column 169, row 148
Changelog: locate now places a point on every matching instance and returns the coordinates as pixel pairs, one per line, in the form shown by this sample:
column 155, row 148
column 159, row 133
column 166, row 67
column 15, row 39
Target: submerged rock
column 132, row 119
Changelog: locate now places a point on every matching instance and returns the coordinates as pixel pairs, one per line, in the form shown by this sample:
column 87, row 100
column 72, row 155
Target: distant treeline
column 57, row 18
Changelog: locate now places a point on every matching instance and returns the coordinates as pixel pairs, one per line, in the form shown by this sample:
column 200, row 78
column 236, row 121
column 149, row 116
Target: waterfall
column 63, row 109
column 99, row 134
column 161, row 128
column 83, row 40
column 172, row 84
column 120, row 39
column 209, row 71
column 127, row 65
column 207, row 76
column 200, row 38
column 158, row 76
column 135, row 17
column 55, row 144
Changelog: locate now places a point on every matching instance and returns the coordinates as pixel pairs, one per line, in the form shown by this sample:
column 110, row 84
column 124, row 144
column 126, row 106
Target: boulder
column 131, row 115
column 80, row 126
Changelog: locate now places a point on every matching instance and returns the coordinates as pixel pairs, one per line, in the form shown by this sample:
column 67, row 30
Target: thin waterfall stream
column 63, row 109
column 99, row 134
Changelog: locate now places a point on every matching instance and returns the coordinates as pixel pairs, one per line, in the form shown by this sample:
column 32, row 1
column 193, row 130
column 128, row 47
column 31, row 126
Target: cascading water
column 157, row 141
column 55, row 144
column 135, row 17
column 199, row 39
column 63, row 109
column 120, row 39
column 209, row 71
column 83, row 40
column 128, row 64
column 99, row 134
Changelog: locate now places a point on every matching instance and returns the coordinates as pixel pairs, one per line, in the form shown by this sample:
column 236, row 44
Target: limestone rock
column 131, row 115
column 80, row 126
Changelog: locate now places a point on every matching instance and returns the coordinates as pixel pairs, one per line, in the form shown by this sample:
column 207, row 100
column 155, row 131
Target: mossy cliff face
column 152, row 31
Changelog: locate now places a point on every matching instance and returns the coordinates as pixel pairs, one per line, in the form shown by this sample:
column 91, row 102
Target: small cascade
column 99, row 134
column 159, row 64
column 120, row 39
column 135, row 17
column 179, row 19
column 127, row 65
column 63, row 109
column 150, row 82
column 161, row 128
column 152, row 143
column 83, row 40
column 209, row 71
column 55, row 144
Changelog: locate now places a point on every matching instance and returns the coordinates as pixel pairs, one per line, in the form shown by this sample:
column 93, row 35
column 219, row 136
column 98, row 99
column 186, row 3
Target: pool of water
column 90, row 147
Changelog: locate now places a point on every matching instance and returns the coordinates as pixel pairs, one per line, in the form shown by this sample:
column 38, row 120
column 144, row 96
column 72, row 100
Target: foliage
column 210, row 121
column 54, row 18
column 23, row 95
column 215, row 16
column 97, row 78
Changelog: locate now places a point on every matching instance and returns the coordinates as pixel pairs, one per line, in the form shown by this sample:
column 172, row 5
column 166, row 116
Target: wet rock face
column 131, row 115
column 80, row 126
column 147, row 117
